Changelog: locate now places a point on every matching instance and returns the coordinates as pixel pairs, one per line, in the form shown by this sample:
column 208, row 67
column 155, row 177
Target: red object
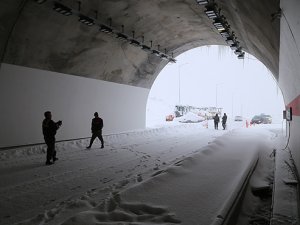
column 169, row 118
column 295, row 104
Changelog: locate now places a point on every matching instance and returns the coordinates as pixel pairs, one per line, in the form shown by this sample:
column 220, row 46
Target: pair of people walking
column 50, row 128
column 217, row 120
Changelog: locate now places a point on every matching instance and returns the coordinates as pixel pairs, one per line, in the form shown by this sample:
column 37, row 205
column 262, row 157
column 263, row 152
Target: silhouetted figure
column 49, row 131
column 216, row 121
column 224, row 120
column 97, row 125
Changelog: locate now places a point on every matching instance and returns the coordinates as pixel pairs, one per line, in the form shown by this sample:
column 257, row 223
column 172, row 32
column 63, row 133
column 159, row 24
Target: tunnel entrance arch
column 88, row 52
column 212, row 77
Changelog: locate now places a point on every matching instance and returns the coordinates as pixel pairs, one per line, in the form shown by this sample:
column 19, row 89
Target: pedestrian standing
column 97, row 125
column 224, row 120
column 49, row 131
column 216, row 121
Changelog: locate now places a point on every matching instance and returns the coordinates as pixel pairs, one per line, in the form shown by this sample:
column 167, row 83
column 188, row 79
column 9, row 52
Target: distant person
column 49, row 131
column 224, row 120
column 97, row 125
column 216, row 121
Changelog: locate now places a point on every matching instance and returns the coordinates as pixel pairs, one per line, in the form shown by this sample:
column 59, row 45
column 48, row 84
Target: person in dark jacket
column 224, row 120
column 97, row 125
column 49, row 131
column 216, row 121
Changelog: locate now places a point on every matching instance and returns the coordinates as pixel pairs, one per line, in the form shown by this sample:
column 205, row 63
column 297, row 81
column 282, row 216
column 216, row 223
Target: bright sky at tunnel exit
column 213, row 76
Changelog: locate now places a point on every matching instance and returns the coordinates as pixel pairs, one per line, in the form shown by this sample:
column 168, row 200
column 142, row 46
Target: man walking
column 97, row 125
column 49, row 131
column 224, row 120
column 216, row 121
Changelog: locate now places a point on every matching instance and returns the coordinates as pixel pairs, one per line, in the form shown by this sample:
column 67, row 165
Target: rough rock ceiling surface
column 36, row 36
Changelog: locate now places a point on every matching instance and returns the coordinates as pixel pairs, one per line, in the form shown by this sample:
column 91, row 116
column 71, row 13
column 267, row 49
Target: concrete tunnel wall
column 44, row 39
column 289, row 70
column 28, row 93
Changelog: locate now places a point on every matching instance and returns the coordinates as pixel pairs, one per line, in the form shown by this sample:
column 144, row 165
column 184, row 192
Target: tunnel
column 78, row 57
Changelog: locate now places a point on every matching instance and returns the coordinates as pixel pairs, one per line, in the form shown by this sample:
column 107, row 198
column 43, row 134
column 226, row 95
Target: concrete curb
column 285, row 191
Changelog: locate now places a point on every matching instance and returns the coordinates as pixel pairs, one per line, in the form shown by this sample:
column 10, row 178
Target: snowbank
column 190, row 117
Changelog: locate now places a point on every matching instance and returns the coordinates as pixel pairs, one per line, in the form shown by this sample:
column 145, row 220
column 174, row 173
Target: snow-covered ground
column 177, row 174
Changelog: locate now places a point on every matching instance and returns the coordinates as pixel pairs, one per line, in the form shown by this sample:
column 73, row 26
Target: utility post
column 179, row 88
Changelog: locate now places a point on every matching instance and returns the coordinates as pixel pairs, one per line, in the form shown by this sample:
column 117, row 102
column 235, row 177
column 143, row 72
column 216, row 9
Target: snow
column 157, row 110
column 229, row 85
column 177, row 174
column 191, row 117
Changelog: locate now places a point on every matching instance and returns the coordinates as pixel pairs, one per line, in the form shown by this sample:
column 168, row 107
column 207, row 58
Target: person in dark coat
column 49, row 131
column 224, row 120
column 216, row 121
column 97, row 125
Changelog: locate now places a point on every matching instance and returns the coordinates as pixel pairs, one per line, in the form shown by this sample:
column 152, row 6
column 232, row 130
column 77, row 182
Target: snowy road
column 81, row 178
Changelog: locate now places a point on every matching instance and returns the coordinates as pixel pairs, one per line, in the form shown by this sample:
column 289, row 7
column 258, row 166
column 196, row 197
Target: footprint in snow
column 114, row 211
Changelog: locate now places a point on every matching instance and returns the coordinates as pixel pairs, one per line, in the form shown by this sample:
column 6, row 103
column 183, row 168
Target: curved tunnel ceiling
column 36, row 36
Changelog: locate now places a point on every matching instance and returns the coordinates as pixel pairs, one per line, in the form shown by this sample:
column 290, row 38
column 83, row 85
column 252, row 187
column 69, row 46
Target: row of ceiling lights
column 219, row 21
column 108, row 29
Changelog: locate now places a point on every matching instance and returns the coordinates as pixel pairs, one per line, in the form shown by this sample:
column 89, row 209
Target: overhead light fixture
column 171, row 59
column 155, row 52
column 230, row 40
column 64, row 10
column 238, row 51
column 220, row 24
column 133, row 41
column 164, row 55
column 105, row 29
column 225, row 34
column 202, row 2
column 121, row 35
column 211, row 12
column 234, row 46
column 40, row 1
column 146, row 48
column 241, row 56
column 86, row 20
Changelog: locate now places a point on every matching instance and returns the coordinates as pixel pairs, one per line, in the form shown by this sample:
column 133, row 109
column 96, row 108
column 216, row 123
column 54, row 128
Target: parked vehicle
column 267, row 119
column 238, row 118
column 262, row 118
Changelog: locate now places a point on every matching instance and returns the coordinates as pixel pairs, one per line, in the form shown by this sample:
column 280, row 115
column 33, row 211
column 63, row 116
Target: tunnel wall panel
column 289, row 68
column 295, row 141
column 25, row 94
